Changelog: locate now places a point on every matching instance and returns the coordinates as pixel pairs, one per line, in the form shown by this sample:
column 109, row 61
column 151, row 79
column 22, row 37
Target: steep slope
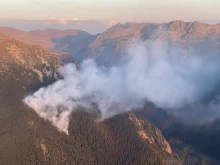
column 22, row 68
column 25, row 138
column 17, row 54
column 118, row 140
column 194, row 145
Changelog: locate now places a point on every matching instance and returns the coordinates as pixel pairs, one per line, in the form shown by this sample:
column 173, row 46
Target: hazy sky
column 121, row 10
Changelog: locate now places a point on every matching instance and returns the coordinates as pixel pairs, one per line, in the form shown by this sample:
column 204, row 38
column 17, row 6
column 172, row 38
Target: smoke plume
column 167, row 78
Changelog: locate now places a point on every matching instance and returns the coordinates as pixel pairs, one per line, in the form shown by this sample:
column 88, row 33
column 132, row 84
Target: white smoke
column 169, row 81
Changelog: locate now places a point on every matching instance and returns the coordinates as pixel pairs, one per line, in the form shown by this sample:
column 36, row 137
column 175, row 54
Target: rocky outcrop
column 147, row 131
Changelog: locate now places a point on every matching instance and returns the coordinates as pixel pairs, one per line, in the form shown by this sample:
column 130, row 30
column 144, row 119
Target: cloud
column 112, row 22
column 63, row 21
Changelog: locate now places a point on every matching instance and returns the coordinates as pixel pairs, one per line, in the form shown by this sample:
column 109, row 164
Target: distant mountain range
column 91, row 26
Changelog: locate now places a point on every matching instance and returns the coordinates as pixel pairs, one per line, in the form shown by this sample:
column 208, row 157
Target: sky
column 119, row 10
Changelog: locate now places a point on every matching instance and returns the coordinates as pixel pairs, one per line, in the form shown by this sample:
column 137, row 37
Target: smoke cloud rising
column 167, row 79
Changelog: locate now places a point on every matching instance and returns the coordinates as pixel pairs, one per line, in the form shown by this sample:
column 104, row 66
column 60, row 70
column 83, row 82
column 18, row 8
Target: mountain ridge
column 40, row 37
column 26, row 138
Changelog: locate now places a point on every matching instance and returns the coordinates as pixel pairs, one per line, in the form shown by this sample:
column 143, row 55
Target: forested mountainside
column 25, row 138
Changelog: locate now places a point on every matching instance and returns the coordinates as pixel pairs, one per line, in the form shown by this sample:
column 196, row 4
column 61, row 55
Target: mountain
column 22, row 67
column 191, row 37
column 34, row 60
column 25, row 138
column 74, row 42
column 46, row 38
column 177, row 37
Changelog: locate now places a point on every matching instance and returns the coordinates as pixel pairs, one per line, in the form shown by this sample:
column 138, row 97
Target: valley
column 148, row 135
